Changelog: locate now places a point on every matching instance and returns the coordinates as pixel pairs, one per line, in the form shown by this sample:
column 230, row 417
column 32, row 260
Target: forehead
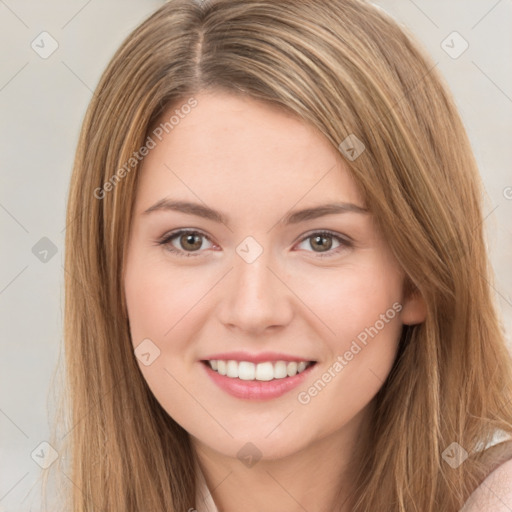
column 237, row 151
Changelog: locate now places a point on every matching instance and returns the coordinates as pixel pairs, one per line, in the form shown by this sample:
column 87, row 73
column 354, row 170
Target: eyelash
column 166, row 239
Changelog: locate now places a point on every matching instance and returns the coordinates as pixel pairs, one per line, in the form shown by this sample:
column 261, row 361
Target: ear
column 414, row 309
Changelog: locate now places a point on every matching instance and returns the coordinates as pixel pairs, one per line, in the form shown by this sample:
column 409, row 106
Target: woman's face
column 270, row 277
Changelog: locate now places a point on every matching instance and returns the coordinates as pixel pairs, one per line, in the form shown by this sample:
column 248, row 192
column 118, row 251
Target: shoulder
column 494, row 493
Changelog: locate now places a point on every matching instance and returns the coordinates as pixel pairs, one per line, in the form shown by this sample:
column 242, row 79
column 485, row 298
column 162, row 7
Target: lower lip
column 257, row 389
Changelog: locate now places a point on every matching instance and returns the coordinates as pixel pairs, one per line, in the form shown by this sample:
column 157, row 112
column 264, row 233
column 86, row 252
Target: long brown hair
column 346, row 68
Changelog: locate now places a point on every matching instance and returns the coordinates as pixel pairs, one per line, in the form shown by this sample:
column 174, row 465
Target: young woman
column 277, row 290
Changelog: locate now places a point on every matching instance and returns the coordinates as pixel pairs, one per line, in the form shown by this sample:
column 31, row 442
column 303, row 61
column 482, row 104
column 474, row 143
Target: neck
column 317, row 477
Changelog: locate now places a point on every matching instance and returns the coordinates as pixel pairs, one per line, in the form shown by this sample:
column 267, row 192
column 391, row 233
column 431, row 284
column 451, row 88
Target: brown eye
column 191, row 242
column 321, row 243
column 184, row 242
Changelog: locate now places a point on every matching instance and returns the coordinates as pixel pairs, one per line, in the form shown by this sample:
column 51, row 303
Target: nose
column 255, row 297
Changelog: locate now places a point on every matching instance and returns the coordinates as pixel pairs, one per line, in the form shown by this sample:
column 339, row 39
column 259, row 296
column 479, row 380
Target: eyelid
column 334, row 234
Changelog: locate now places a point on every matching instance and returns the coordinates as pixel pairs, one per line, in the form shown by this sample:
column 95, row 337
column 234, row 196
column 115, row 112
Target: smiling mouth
column 264, row 371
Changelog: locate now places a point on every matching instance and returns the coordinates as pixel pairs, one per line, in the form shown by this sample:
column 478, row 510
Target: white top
column 204, row 500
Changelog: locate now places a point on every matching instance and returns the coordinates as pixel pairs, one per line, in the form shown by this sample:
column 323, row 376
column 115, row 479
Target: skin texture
column 495, row 492
column 256, row 164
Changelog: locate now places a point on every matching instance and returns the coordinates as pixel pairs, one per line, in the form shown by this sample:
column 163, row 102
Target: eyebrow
column 293, row 217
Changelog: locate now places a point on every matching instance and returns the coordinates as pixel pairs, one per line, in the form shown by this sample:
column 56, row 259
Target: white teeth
column 232, row 369
column 246, row 370
column 291, row 369
column 221, row 367
column 266, row 371
column 280, row 370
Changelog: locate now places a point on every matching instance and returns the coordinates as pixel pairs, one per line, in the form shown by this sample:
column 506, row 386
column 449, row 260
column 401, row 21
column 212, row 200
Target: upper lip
column 256, row 358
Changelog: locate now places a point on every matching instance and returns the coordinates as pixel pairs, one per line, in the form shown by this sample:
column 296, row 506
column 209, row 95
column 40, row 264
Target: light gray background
column 42, row 105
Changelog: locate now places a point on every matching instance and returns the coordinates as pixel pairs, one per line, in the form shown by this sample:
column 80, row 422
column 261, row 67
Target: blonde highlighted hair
column 346, row 68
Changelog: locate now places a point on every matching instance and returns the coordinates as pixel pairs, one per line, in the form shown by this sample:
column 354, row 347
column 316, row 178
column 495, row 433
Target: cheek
column 352, row 299
column 161, row 307
column 361, row 355
column 362, row 306
column 159, row 299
